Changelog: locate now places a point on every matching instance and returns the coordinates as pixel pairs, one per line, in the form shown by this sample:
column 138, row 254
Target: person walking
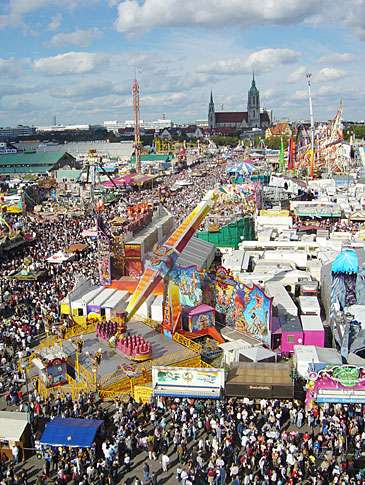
column 165, row 460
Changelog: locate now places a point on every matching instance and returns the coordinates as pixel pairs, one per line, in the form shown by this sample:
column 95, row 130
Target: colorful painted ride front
column 52, row 366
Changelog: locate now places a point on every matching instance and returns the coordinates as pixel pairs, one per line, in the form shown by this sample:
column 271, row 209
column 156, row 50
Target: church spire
column 253, row 79
column 211, row 96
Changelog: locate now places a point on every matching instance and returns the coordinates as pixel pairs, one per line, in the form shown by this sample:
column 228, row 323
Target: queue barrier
column 186, row 342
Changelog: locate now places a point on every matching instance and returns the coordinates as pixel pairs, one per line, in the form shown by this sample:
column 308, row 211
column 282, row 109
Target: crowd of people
column 230, row 441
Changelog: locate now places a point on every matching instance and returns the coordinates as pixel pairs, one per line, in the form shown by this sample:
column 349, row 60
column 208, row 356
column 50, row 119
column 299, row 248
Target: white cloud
column 136, row 15
column 9, row 67
column 55, row 22
column 16, row 10
column 299, row 95
column 326, row 90
column 91, row 89
column 297, row 75
column 70, row 63
column 264, row 60
column 336, row 58
column 79, row 38
column 330, row 74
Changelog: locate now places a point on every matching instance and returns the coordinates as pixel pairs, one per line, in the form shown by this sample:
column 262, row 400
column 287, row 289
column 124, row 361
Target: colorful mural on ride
column 188, row 281
column 248, row 309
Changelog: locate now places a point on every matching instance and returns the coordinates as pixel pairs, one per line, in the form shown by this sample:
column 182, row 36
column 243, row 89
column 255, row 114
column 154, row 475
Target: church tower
column 253, row 106
column 211, row 113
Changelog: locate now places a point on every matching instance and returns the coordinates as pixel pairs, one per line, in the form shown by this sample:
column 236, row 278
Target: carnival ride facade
column 330, row 153
column 52, row 366
column 192, row 297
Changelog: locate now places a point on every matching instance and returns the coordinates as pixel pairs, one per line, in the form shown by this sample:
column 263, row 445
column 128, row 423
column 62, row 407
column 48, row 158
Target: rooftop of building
column 34, row 162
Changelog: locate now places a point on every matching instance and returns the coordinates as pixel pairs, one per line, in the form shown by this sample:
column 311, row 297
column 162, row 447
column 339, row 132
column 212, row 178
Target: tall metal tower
column 137, row 125
column 308, row 76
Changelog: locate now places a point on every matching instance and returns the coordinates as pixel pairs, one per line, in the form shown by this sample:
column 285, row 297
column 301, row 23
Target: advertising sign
column 188, row 382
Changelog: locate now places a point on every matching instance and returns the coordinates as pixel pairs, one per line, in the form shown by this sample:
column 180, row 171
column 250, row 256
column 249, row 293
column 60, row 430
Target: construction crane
column 137, row 125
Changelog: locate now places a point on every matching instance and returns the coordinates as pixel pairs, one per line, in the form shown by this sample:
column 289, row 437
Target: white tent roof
column 12, row 425
column 234, row 345
column 257, row 353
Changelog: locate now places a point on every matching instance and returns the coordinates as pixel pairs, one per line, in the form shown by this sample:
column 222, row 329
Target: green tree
column 357, row 130
column 221, row 140
column 275, row 142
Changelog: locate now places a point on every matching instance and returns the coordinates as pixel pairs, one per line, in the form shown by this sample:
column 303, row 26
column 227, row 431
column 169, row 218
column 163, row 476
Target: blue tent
column 73, row 432
column 346, row 262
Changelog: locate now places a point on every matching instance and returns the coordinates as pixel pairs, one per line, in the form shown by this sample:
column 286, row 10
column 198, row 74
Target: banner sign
column 188, row 382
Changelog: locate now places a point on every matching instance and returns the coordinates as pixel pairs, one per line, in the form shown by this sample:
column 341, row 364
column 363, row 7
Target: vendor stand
column 14, row 431
column 71, row 432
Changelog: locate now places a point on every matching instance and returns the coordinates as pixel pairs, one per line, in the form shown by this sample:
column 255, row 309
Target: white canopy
column 12, row 425
column 257, row 354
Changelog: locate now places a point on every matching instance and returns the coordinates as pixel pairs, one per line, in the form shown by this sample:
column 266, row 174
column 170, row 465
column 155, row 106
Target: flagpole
column 308, row 76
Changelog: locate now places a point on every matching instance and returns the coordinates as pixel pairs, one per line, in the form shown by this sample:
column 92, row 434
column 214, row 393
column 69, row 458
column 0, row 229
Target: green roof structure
column 34, row 162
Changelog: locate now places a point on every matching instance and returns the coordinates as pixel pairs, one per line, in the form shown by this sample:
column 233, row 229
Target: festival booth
column 52, row 366
column 200, row 318
column 291, row 335
column 260, row 380
column 309, row 358
column 94, row 306
column 257, row 354
column 76, row 248
column 76, row 300
column 239, row 171
column 309, row 305
column 316, row 209
column 71, row 432
column 14, row 431
column 313, row 330
column 340, row 384
column 185, row 382
column 115, row 305
column 283, row 304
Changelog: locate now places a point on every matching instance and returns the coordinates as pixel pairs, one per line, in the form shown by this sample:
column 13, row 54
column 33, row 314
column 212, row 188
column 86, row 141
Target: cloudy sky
column 76, row 58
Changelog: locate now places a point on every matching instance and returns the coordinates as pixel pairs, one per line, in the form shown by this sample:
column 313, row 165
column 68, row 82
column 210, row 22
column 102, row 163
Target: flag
column 291, row 154
column 281, row 157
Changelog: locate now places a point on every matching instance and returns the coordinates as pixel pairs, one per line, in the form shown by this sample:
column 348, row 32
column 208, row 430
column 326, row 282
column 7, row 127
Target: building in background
column 253, row 118
column 9, row 133
column 278, row 130
column 58, row 128
column 117, row 126
column 37, row 163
